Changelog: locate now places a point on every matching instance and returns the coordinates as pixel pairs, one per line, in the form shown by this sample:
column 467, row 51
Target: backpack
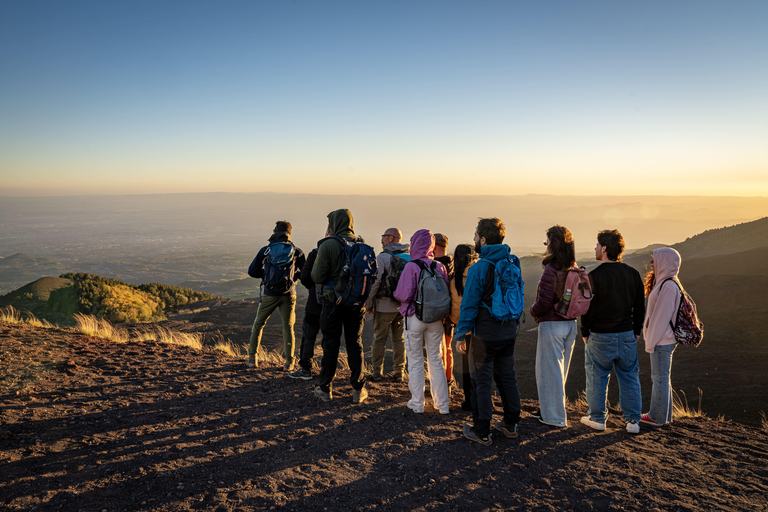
column 576, row 303
column 507, row 299
column 399, row 259
column 357, row 275
column 433, row 297
column 279, row 269
column 688, row 329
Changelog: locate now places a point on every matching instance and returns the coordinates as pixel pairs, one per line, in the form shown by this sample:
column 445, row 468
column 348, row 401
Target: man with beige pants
column 386, row 315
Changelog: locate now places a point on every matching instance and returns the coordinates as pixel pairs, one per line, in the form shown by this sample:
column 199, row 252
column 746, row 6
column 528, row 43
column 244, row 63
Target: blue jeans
column 493, row 361
column 661, row 395
column 606, row 352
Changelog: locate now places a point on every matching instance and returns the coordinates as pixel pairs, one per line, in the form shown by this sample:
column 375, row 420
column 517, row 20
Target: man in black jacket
column 611, row 328
column 279, row 267
column 310, row 327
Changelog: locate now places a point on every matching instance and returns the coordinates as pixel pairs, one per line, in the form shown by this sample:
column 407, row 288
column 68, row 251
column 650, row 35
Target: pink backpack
column 577, row 304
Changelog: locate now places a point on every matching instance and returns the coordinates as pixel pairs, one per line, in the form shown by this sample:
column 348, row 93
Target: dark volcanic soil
column 145, row 426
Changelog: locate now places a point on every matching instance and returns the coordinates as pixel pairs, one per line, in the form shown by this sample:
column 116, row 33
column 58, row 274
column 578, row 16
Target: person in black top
column 611, row 328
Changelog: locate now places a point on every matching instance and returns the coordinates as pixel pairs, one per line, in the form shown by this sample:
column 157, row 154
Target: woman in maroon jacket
column 556, row 334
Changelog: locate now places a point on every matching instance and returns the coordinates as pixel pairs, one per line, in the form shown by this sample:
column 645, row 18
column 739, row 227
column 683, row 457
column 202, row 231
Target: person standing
column 310, row 326
column 441, row 246
column 557, row 335
column 464, row 256
column 387, row 319
column 662, row 287
column 336, row 316
column 492, row 352
column 420, row 334
column 611, row 329
column 278, row 264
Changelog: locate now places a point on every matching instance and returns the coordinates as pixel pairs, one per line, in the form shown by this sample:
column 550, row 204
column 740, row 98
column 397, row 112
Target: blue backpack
column 507, row 299
column 279, row 269
column 358, row 274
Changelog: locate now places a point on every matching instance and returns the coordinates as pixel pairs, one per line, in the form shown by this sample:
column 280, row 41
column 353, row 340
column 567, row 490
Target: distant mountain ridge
column 728, row 239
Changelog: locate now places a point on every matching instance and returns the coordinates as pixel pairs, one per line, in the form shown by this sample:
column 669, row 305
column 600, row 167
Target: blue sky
column 370, row 97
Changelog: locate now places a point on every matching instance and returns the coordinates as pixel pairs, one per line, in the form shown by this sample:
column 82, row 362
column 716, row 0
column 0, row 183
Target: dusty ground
column 144, row 426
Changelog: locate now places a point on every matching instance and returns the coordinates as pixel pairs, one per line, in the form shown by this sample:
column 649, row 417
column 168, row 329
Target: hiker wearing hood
column 492, row 351
column 331, row 255
column 663, row 290
column 419, row 334
column 386, row 315
column 278, row 265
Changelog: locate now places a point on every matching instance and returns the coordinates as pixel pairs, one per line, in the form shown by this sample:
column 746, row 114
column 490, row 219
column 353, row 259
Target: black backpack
column 388, row 287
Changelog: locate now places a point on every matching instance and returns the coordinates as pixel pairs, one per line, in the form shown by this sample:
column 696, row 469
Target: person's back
column 337, row 317
column 611, row 328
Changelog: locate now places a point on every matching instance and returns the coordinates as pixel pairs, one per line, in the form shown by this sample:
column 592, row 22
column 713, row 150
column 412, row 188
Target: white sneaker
column 633, row 427
column 415, row 408
column 592, row 424
column 445, row 411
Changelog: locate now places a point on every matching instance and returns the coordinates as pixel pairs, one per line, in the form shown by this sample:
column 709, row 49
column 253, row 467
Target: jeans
column 553, row 358
column 383, row 324
column 606, row 352
column 488, row 361
column 334, row 319
column 267, row 305
column 310, row 328
column 661, row 394
column 417, row 336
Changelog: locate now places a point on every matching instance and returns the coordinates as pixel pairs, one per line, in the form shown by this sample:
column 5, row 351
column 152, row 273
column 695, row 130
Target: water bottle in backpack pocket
column 577, row 296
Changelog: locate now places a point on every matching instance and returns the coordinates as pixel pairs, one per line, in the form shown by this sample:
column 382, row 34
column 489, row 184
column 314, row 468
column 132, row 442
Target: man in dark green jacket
column 331, row 255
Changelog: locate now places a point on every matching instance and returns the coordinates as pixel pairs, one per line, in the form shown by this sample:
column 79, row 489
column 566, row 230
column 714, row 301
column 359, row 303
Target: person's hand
column 461, row 346
column 585, row 339
column 637, row 337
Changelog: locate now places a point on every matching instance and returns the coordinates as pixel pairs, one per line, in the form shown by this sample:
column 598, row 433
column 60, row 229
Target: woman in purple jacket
column 556, row 334
column 417, row 334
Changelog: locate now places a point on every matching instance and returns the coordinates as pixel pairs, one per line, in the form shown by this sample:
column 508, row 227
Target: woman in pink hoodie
column 663, row 291
column 419, row 334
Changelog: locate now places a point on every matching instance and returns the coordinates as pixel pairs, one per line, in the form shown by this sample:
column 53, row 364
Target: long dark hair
column 560, row 248
column 463, row 256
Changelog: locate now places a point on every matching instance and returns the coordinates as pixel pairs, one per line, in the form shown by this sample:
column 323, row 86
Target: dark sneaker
column 536, row 414
column 509, row 431
column 377, row 377
column 470, row 434
column 322, row 395
column 359, row 395
column 633, row 427
column 302, row 374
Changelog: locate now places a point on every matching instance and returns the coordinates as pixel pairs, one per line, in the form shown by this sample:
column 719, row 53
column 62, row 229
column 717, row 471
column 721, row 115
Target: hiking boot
column 252, row 364
column 509, row 431
column 415, row 408
column 633, row 427
column 646, row 418
column 469, row 433
column 322, row 395
column 359, row 395
column 398, row 377
column 377, row 377
column 302, row 374
column 288, row 367
column 592, row 424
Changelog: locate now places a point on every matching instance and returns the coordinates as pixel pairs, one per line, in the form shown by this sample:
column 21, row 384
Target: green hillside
column 57, row 299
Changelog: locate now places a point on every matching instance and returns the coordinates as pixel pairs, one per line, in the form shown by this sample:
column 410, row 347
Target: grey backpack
column 433, row 298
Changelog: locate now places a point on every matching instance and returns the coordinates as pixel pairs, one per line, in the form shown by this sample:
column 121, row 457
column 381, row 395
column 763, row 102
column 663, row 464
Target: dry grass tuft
column 763, row 421
column 681, row 409
column 170, row 337
column 92, row 326
column 229, row 348
column 11, row 315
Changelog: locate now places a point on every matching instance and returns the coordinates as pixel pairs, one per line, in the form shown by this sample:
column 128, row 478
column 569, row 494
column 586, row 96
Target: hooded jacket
column 663, row 301
column 422, row 249
column 385, row 262
column 257, row 265
column 473, row 316
column 331, row 252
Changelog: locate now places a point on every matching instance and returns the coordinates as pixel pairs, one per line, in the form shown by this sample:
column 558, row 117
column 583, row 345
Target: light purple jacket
column 422, row 248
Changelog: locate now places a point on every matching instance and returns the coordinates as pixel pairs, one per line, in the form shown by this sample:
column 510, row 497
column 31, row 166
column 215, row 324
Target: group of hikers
column 427, row 301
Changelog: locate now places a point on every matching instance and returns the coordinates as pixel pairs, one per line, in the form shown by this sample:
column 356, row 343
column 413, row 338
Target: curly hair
column 613, row 242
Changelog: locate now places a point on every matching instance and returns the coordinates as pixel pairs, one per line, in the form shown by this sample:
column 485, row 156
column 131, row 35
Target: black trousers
column 310, row 328
column 334, row 319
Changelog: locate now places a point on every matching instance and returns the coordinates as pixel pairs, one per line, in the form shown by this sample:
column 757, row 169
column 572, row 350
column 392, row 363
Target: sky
column 384, row 97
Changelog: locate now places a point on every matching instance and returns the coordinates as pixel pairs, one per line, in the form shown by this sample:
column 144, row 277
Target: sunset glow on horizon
column 377, row 98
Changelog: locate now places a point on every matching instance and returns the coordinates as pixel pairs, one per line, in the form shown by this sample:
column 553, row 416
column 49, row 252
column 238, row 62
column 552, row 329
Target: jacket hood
column 341, row 223
column 280, row 236
column 422, row 245
column 495, row 252
column 666, row 264
column 397, row 247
